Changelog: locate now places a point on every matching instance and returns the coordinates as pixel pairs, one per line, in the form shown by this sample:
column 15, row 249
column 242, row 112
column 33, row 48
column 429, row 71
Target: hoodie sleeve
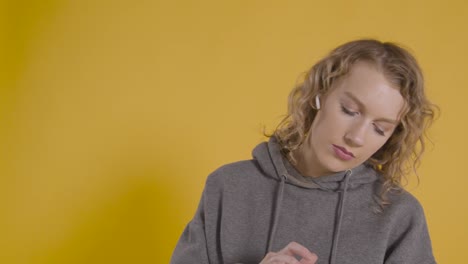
column 191, row 247
column 199, row 240
column 412, row 243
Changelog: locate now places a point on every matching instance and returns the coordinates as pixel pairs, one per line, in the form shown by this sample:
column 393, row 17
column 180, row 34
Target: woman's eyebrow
column 362, row 106
column 354, row 98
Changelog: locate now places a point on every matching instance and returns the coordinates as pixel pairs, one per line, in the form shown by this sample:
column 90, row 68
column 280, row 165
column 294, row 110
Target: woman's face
column 356, row 118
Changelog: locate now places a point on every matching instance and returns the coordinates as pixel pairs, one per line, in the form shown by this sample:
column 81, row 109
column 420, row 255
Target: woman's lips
column 342, row 153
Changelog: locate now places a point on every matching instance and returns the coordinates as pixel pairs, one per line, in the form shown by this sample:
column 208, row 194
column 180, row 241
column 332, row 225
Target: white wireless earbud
column 317, row 102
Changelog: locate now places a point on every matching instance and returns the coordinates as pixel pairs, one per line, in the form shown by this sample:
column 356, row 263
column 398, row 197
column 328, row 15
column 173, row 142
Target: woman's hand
column 287, row 255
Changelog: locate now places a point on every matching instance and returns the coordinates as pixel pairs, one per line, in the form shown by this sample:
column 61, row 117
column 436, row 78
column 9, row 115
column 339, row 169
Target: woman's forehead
column 370, row 89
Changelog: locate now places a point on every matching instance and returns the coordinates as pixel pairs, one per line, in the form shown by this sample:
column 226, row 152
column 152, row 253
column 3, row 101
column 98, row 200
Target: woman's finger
column 296, row 249
column 281, row 258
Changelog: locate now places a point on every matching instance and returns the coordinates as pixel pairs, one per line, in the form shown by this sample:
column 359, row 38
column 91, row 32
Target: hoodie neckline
column 272, row 160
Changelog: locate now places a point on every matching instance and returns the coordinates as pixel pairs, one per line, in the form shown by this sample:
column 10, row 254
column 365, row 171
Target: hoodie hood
column 275, row 165
column 270, row 159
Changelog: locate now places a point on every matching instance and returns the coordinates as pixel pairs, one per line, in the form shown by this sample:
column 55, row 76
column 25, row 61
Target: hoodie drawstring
column 336, row 233
column 279, row 201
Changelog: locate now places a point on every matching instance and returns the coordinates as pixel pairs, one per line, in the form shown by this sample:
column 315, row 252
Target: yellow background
column 114, row 112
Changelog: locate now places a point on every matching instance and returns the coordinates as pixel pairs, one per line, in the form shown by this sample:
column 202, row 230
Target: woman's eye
column 379, row 131
column 348, row 112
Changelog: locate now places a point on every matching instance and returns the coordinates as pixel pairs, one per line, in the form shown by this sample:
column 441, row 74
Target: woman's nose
column 355, row 136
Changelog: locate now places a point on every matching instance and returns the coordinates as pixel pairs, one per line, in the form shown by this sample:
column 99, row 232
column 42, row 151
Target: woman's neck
column 305, row 164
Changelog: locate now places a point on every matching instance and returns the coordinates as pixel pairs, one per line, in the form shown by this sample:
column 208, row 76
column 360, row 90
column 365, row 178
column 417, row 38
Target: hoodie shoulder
column 405, row 201
column 405, row 210
column 240, row 170
column 409, row 240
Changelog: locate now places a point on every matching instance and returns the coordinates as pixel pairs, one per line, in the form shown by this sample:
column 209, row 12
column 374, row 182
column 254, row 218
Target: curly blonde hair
column 403, row 150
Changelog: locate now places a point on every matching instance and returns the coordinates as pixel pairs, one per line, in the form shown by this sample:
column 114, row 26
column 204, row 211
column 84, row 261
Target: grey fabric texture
column 251, row 207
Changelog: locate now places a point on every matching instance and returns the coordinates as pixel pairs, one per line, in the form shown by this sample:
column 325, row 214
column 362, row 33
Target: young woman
column 326, row 187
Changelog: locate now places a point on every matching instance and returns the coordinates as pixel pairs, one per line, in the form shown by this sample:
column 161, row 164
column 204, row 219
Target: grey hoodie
column 249, row 208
